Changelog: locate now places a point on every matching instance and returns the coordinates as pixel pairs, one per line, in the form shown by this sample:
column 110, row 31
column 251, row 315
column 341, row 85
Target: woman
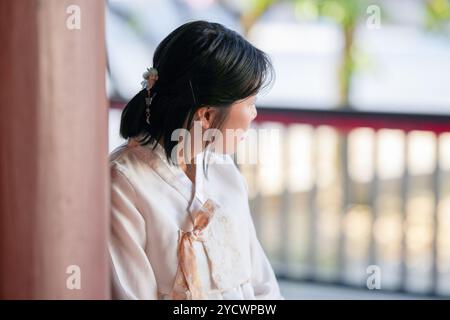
column 181, row 225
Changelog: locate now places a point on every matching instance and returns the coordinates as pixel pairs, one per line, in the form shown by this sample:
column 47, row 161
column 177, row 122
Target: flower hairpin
column 150, row 77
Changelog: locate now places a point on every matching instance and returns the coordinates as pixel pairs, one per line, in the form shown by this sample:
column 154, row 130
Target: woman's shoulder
column 120, row 156
column 141, row 164
column 118, row 153
column 128, row 158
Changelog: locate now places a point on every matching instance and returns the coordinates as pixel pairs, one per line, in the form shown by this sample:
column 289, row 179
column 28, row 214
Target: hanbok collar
column 154, row 154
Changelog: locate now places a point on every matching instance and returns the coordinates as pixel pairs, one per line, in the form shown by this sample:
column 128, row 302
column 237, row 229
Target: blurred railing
column 334, row 192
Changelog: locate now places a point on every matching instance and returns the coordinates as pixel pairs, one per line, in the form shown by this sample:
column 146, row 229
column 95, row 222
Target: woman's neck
column 188, row 168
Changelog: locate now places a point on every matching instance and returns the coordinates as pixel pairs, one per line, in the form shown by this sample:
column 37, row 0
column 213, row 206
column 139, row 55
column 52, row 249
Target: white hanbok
column 172, row 239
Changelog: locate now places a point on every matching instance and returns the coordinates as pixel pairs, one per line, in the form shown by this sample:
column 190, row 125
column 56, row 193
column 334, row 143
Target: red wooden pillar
column 53, row 150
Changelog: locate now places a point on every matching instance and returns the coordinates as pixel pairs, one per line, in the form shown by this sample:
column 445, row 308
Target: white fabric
column 152, row 200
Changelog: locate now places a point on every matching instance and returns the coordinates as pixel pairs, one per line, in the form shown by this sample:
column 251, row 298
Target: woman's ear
column 206, row 116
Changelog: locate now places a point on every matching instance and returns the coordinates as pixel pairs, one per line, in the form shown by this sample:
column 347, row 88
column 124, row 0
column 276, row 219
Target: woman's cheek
column 239, row 124
column 250, row 116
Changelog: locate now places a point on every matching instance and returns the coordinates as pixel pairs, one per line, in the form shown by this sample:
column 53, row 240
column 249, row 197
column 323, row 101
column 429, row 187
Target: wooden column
column 54, row 190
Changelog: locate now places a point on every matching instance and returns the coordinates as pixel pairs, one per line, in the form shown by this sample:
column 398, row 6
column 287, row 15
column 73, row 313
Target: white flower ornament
column 150, row 77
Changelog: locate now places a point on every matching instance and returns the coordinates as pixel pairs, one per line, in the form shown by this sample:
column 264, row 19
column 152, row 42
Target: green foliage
column 437, row 15
column 344, row 12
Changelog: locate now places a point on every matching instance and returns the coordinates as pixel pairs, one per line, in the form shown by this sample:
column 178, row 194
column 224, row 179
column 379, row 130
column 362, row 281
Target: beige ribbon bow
column 188, row 279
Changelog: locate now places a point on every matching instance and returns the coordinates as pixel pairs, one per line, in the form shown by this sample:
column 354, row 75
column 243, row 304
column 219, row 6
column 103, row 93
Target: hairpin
column 150, row 77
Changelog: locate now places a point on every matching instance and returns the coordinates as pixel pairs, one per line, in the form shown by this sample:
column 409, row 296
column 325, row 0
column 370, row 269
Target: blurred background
column 356, row 169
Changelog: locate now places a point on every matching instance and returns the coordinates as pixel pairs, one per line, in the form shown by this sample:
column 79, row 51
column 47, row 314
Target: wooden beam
column 54, row 194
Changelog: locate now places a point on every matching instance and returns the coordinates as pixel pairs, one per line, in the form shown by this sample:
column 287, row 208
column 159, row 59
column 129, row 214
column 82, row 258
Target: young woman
column 181, row 225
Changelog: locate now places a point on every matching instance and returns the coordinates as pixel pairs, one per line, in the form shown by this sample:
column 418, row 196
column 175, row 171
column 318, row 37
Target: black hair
column 199, row 64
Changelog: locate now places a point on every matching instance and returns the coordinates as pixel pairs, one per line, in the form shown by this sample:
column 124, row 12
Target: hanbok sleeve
column 132, row 274
column 263, row 280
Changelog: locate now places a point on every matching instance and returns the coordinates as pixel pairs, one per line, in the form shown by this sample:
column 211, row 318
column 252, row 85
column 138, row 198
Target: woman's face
column 233, row 129
column 240, row 117
column 242, row 114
